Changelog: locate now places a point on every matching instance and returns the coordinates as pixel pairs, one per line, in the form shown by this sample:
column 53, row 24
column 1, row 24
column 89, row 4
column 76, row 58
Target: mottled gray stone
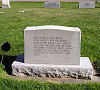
column 86, row 4
column 84, row 70
column 5, row 4
column 53, row 51
column 52, row 4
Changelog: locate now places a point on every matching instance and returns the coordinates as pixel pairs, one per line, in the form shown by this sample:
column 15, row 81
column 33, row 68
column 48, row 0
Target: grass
column 15, row 84
column 2, row 72
column 13, row 23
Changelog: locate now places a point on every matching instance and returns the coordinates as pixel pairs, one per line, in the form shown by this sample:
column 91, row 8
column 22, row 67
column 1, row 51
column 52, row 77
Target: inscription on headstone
column 52, row 45
column 52, row 4
column 86, row 3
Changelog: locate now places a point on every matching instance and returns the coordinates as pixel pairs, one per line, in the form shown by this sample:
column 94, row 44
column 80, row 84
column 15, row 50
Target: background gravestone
column 98, row 1
column 52, row 4
column 52, row 45
column 86, row 3
column 5, row 4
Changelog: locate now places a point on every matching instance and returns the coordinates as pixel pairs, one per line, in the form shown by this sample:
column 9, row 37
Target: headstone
column 52, row 4
column 5, row 4
column 86, row 3
column 52, row 51
column 52, row 45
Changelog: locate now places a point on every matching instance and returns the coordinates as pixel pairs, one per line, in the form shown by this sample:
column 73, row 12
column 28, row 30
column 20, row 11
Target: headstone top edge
column 31, row 28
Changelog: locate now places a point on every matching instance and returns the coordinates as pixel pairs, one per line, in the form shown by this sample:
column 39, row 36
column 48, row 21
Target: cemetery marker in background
column 86, row 3
column 52, row 4
column 5, row 4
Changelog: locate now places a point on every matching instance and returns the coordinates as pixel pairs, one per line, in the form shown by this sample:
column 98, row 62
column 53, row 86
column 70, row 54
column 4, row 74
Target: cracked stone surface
column 84, row 70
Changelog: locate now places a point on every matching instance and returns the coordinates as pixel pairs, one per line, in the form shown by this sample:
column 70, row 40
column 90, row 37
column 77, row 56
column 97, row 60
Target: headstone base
column 5, row 6
column 84, row 70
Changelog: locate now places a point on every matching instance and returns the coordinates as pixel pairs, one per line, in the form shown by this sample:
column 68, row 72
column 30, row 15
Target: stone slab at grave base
column 5, row 6
column 84, row 70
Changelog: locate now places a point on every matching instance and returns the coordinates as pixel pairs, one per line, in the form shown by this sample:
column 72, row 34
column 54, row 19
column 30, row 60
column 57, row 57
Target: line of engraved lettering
column 50, row 45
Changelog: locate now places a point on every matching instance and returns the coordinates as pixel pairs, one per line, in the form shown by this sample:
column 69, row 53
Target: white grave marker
column 52, row 45
column 5, row 4
column 53, row 51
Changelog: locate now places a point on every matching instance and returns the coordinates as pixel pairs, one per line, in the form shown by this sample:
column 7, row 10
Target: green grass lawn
column 10, row 84
column 13, row 23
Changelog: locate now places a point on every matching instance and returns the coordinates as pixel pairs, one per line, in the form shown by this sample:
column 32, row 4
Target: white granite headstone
column 5, row 4
column 52, row 44
column 86, row 3
column 52, row 4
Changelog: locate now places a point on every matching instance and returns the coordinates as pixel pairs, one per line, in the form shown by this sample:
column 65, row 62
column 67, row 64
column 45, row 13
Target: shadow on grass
column 7, row 61
column 97, row 7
